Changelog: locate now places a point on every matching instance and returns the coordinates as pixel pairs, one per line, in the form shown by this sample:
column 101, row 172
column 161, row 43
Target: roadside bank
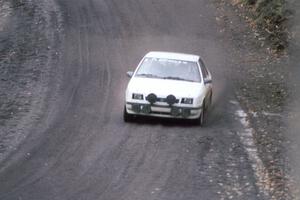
column 29, row 49
column 263, row 91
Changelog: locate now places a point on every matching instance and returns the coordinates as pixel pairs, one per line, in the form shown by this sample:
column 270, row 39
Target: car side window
column 206, row 70
column 203, row 69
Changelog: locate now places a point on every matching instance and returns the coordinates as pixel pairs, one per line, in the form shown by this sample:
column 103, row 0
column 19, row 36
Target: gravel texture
column 293, row 110
column 27, row 63
column 263, row 91
column 26, row 68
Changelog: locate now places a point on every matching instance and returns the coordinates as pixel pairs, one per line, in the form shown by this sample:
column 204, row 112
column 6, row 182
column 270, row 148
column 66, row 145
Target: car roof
column 172, row 55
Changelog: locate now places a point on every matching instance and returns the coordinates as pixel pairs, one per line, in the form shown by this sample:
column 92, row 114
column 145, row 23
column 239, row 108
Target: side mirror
column 207, row 81
column 129, row 74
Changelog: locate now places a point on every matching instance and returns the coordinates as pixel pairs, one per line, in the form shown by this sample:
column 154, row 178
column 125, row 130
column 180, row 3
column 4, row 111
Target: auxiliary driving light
column 152, row 98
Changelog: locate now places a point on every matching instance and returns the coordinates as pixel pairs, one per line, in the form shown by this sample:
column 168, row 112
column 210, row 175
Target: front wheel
column 126, row 116
column 201, row 119
column 210, row 99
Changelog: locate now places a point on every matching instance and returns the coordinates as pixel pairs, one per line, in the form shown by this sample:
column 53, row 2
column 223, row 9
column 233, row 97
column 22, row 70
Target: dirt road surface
column 292, row 118
column 80, row 148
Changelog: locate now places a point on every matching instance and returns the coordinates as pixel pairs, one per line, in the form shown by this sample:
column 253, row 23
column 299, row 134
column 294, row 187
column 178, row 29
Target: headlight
column 187, row 100
column 137, row 96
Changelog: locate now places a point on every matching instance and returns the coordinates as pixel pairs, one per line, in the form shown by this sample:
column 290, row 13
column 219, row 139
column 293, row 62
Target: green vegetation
column 271, row 16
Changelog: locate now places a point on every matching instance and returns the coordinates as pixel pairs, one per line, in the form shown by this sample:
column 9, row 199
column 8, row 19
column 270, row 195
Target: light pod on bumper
column 171, row 99
column 151, row 98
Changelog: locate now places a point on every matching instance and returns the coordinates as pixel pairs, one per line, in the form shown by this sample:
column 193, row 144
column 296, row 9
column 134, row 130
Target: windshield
column 169, row 69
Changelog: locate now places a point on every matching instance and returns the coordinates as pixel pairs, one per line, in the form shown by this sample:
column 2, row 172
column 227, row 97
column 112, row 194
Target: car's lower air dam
column 175, row 111
column 186, row 112
column 136, row 108
column 145, row 109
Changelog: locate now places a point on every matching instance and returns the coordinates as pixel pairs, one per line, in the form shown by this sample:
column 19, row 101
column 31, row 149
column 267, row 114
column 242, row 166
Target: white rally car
column 170, row 85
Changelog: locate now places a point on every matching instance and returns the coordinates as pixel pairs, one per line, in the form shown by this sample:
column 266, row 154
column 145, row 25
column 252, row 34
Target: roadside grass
column 270, row 19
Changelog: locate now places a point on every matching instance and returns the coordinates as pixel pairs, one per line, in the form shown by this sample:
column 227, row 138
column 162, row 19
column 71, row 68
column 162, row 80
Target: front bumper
column 166, row 111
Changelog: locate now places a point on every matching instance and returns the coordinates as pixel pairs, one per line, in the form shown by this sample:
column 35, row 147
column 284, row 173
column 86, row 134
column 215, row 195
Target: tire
column 201, row 119
column 126, row 116
column 210, row 99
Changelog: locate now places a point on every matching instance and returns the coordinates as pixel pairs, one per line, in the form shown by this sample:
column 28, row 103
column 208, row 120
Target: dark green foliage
column 270, row 11
column 270, row 16
column 250, row 2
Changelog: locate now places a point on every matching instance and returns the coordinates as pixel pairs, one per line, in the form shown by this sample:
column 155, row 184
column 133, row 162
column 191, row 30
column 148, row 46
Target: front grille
column 164, row 100
column 160, row 113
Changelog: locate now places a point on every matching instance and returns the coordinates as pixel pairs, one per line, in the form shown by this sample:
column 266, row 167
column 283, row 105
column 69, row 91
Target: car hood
column 164, row 87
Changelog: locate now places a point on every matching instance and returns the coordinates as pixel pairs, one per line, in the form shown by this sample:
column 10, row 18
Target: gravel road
column 29, row 47
column 292, row 118
column 80, row 148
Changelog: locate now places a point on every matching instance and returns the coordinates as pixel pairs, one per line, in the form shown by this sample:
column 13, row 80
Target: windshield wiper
column 177, row 78
column 149, row 75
